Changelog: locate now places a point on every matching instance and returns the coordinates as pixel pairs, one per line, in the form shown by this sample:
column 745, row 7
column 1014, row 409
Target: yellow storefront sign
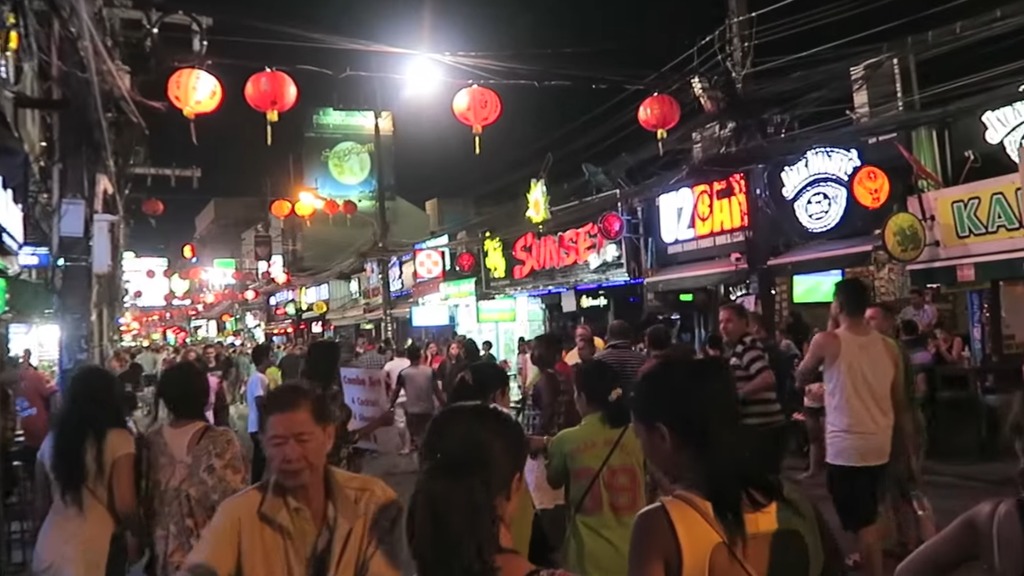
column 981, row 215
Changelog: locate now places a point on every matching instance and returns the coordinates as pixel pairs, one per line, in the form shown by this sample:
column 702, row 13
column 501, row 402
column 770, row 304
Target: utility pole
column 739, row 52
column 387, row 322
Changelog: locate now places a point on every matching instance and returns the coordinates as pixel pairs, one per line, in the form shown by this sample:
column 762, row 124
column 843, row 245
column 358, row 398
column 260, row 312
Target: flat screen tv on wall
column 816, row 287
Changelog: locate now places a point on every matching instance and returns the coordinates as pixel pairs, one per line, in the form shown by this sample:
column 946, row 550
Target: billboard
column 340, row 157
column 145, row 282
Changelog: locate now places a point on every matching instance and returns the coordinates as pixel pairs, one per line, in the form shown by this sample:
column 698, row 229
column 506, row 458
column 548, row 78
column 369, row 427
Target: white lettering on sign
column 1006, row 125
column 675, row 212
column 818, row 186
column 818, row 163
column 610, row 253
column 12, row 219
column 281, row 297
column 591, row 302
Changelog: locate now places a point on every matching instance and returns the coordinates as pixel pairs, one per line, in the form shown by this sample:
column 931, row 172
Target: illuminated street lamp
column 423, row 75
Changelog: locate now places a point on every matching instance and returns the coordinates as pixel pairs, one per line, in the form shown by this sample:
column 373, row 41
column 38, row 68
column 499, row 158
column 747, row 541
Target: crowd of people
column 623, row 455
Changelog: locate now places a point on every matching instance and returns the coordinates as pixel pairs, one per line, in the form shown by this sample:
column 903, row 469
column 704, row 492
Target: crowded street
column 464, row 288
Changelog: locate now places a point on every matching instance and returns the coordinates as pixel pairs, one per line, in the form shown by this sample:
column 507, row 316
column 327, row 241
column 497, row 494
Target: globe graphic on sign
column 349, row 162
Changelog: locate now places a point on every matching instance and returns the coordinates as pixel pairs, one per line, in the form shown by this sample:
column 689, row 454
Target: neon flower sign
column 818, row 185
column 584, row 245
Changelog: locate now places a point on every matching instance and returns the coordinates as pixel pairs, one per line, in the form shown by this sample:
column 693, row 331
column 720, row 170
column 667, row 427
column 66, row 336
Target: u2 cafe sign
column 818, row 186
column 592, row 245
column 704, row 215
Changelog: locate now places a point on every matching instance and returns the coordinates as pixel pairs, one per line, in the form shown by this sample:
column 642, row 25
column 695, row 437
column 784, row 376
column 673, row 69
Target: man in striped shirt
column 619, row 354
column 760, row 412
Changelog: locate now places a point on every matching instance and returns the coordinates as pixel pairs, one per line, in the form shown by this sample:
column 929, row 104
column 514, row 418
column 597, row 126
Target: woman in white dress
column 86, row 477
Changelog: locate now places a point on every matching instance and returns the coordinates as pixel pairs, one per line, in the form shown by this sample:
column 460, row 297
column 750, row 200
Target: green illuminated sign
column 686, row 297
column 465, row 288
column 3, row 295
column 499, row 310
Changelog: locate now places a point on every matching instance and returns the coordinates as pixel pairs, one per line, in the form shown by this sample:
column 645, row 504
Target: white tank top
column 858, row 401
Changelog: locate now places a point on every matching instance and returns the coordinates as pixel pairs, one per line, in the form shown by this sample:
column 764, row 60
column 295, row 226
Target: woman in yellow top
column 602, row 465
column 719, row 519
column 273, row 377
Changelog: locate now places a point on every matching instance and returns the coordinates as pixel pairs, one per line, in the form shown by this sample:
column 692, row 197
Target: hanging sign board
column 704, row 215
column 1005, row 126
column 817, row 186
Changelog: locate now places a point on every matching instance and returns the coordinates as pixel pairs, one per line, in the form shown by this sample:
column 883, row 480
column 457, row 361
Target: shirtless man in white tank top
column 863, row 397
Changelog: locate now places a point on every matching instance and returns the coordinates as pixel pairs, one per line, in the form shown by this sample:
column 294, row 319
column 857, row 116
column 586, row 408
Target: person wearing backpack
column 189, row 468
column 719, row 517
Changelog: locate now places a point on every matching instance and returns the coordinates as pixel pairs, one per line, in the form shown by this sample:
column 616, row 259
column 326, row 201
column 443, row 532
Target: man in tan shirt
column 307, row 517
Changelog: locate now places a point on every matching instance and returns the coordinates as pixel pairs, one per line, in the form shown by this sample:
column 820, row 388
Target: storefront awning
column 815, row 252
column 968, row 271
column 696, row 275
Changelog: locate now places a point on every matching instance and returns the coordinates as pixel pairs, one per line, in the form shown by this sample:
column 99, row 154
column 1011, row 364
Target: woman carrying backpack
column 189, row 468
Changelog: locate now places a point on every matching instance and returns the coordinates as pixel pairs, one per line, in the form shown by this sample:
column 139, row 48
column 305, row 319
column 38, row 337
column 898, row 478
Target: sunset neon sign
column 585, row 245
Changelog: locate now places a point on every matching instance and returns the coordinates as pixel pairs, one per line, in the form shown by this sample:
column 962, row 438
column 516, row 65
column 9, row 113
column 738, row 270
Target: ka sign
column 692, row 214
column 818, row 185
column 12, row 220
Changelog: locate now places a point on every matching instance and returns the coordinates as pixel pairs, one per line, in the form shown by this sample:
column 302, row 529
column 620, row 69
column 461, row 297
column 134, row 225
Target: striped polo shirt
column 626, row 362
column 748, row 361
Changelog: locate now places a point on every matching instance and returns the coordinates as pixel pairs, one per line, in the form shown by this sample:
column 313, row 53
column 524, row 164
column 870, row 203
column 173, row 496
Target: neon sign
column 494, row 257
column 12, row 220
column 704, row 210
column 537, row 207
column 583, row 245
column 818, row 186
column 587, row 302
column 1006, row 126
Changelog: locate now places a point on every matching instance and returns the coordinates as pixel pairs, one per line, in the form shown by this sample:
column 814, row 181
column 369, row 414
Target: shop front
column 823, row 210
column 697, row 251
column 548, row 272
column 974, row 257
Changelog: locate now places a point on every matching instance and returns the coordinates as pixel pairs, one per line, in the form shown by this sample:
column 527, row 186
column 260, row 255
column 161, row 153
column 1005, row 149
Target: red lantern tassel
column 271, row 118
column 192, row 131
column 662, row 134
column 477, row 131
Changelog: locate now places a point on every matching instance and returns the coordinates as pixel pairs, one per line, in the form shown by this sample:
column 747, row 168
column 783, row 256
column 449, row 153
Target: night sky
column 572, row 41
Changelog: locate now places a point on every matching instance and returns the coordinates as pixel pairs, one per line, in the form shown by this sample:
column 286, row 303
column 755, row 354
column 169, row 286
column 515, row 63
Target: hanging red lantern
column 281, row 208
column 659, row 113
column 331, row 207
column 349, row 208
column 476, row 107
column 152, row 207
column 194, row 91
column 271, row 92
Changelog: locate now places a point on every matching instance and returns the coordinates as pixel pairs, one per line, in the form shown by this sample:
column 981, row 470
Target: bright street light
column 423, row 75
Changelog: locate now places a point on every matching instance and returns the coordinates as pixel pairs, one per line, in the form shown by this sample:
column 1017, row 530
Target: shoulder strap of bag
column 689, row 501
column 597, row 474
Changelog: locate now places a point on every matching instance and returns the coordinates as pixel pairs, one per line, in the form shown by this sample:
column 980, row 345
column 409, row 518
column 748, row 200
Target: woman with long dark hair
column 466, row 490
column 191, row 467
column 601, row 464
column 86, row 476
column 453, row 364
column 718, row 519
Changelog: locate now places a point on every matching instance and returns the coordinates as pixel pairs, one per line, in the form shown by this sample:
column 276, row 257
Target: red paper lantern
column 152, row 207
column 195, row 92
column 331, row 207
column 281, row 208
column 271, row 92
column 349, row 208
column 250, row 295
column 476, row 107
column 659, row 113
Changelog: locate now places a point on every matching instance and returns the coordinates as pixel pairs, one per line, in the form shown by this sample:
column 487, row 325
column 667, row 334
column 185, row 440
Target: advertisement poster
column 340, row 157
column 365, row 395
